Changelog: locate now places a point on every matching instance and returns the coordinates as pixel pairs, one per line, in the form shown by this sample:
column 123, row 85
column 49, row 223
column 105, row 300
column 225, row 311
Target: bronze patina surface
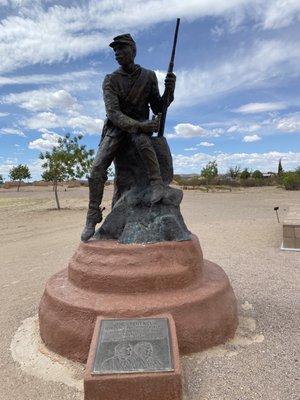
column 144, row 208
column 133, row 345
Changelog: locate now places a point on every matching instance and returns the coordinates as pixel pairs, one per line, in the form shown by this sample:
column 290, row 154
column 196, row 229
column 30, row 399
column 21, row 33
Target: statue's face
column 144, row 349
column 123, row 350
column 124, row 54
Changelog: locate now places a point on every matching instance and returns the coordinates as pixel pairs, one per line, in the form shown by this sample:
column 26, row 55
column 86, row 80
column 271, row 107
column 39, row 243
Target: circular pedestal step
column 105, row 278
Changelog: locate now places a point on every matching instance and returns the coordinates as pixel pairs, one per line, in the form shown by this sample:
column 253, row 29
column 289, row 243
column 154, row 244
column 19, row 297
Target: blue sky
column 237, row 98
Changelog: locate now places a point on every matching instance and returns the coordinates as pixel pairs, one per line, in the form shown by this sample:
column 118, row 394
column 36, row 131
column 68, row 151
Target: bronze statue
column 128, row 92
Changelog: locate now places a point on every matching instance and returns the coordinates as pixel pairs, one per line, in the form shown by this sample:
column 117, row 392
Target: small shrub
column 291, row 180
column 245, row 174
column 234, row 172
column 249, row 182
column 73, row 184
column 41, row 183
column 210, row 171
column 226, row 181
column 257, row 174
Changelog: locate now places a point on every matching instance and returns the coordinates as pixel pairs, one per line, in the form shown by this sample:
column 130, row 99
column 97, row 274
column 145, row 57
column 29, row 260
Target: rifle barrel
column 171, row 64
column 170, row 69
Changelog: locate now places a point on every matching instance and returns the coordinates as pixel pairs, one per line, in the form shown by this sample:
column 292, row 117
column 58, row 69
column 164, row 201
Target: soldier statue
column 127, row 92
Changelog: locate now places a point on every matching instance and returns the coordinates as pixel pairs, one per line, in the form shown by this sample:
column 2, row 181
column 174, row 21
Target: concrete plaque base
column 291, row 230
column 146, row 385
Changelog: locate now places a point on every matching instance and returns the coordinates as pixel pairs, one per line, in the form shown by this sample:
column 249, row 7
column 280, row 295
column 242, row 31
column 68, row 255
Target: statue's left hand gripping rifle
column 170, row 69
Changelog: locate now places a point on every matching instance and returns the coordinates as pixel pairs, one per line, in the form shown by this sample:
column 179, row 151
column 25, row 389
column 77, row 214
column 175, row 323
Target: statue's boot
column 157, row 192
column 94, row 214
column 149, row 156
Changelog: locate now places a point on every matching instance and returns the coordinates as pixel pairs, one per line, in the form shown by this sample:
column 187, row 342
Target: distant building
column 268, row 174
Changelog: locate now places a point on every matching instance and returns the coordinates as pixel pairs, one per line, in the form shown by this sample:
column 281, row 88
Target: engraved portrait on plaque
column 133, row 346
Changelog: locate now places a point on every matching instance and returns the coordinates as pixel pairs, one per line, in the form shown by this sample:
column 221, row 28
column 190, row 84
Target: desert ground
column 238, row 230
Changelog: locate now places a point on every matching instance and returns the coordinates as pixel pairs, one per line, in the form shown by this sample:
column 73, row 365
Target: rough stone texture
column 109, row 279
column 133, row 219
column 134, row 386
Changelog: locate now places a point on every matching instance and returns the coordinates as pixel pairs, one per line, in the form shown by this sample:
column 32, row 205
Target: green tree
column 245, row 174
column 67, row 160
column 1, row 179
column 234, row 172
column 291, row 179
column 19, row 173
column 280, row 169
column 49, row 176
column 210, row 171
column 257, row 174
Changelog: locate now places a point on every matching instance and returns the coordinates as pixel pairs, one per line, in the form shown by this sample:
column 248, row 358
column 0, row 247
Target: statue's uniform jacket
column 128, row 98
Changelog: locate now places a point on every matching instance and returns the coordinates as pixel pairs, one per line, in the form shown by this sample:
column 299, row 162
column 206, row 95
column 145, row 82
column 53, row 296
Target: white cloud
column 3, row 114
column 45, row 120
column 42, row 100
column 37, row 34
column 87, row 124
column 6, row 166
column 247, row 69
column 279, row 13
column 263, row 161
column 233, row 129
column 273, row 125
column 244, row 127
column 46, row 142
column 290, row 123
column 46, row 37
column 270, row 126
column 74, row 77
column 21, row 3
column 251, row 138
column 217, row 31
column 253, row 108
column 33, row 165
column 50, row 120
column 251, row 128
column 190, row 149
column 206, row 144
column 11, row 131
column 188, row 130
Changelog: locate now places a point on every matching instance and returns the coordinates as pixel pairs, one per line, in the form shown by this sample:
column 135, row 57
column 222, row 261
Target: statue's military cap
column 126, row 38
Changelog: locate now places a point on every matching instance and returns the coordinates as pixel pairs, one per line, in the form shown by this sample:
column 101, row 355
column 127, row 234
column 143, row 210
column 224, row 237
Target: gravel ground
column 238, row 230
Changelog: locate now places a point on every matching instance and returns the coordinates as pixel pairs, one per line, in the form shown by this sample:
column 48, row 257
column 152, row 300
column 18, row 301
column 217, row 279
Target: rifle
column 170, row 69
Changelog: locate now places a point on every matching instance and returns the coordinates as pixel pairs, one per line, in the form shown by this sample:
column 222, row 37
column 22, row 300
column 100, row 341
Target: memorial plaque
column 133, row 345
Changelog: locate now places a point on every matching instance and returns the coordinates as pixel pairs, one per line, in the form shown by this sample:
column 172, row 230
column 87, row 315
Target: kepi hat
column 126, row 38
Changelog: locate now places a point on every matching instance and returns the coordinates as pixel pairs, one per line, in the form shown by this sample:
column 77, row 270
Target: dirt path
column 238, row 230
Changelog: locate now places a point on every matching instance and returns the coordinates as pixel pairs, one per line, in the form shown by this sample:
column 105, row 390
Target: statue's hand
column 170, row 82
column 150, row 126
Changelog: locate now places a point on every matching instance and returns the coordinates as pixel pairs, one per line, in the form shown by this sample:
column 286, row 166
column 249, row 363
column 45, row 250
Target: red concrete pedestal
column 112, row 280
column 134, row 386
